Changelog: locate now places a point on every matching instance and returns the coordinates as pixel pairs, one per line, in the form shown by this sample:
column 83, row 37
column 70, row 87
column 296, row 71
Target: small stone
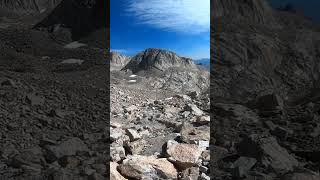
column 203, row 169
column 195, row 110
column 130, row 109
column 241, row 166
column 191, row 173
column 67, row 148
column 133, row 134
column 69, row 162
column 35, row 99
column 281, row 132
column 116, row 134
column 136, row 147
column 100, row 168
column 202, row 120
column 114, row 174
column 270, row 125
column 96, row 176
column 117, row 153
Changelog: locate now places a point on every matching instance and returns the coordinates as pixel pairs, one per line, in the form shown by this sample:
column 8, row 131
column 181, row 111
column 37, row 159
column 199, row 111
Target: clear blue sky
column 182, row 26
column 311, row 8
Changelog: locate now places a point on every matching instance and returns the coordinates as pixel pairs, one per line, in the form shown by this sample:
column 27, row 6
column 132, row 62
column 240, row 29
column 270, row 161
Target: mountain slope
column 158, row 60
column 118, row 61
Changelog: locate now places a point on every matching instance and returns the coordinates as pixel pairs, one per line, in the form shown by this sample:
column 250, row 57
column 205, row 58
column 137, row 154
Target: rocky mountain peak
column 158, row 59
column 118, row 61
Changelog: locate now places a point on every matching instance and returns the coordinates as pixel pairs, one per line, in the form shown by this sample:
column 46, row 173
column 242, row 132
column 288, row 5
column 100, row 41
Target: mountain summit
column 159, row 60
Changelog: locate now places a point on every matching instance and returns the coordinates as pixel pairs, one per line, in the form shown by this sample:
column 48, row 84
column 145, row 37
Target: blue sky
column 310, row 7
column 182, row 26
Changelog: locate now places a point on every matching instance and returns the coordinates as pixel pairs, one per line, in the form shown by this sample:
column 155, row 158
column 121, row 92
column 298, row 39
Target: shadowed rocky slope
column 264, row 97
column 27, row 6
column 54, row 93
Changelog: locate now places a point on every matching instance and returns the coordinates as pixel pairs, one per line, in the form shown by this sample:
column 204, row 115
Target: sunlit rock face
column 118, row 61
column 158, row 59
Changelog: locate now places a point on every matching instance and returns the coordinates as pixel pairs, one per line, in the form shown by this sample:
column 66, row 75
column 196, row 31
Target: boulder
column 69, row 147
column 183, row 155
column 269, row 152
column 148, row 167
column 114, row 174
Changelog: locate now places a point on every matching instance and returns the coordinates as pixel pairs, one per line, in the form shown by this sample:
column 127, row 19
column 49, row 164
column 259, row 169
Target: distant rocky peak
column 118, row 61
column 158, row 59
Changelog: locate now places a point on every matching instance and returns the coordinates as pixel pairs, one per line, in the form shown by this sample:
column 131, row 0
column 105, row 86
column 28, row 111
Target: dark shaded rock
column 281, row 132
column 69, row 162
column 310, row 155
column 191, row 173
column 96, row 176
column 269, row 102
column 31, row 157
column 217, row 153
column 35, row 99
column 301, row 176
column 69, row 147
column 268, row 152
column 242, row 165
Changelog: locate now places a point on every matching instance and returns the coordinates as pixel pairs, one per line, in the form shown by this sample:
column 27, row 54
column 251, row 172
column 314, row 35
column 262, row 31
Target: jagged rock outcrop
column 252, row 58
column 253, row 10
column 81, row 16
column 27, row 6
column 118, row 61
column 265, row 79
column 158, row 60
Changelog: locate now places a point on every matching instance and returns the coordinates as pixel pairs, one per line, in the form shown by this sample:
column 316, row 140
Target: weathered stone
column 194, row 110
column 242, row 165
column 130, row 109
column 133, row 134
column 114, row 174
column 117, row 153
column 269, row 102
column 204, row 177
column 69, row 162
column 302, row 176
column 269, row 152
column 217, row 153
column 191, row 134
column 202, row 120
column 148, row 167
column 116, row 133
column 32, row 157
column 136, row 147
column 191, row 173
column 67, row 148
column 35, row 99
column 183, row 155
